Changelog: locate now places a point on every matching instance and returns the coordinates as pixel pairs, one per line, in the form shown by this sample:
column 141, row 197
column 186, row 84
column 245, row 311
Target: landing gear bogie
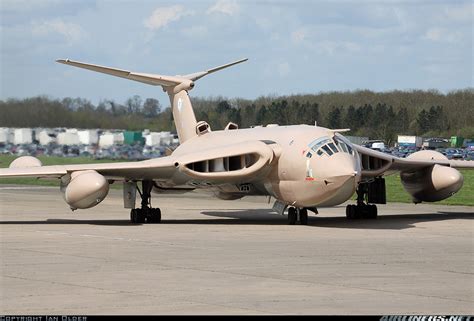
column 146, row 213
column 362, row 209
column 297, row 215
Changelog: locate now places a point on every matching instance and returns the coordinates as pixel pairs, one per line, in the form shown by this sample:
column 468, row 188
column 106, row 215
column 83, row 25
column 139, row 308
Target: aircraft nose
column 340, row 167
column 341, row 175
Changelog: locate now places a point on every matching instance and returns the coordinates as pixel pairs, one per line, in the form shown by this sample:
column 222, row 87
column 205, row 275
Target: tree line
column 376, row 115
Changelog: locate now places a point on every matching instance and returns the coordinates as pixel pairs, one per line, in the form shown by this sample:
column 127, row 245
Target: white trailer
column 6, row 135
column 109, row 139
column 414, row 141
column 23, row 136
column 46, row 137
column 88, row 137
column 68, row 138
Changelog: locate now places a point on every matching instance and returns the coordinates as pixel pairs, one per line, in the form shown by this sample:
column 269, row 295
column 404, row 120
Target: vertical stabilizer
column 183, row 115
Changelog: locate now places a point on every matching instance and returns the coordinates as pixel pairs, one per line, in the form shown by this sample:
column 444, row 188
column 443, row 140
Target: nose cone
column 341, row 174
column 339, row 167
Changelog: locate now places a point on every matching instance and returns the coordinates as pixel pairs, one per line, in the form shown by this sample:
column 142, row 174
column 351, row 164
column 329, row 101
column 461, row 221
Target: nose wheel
column 297, row 215
column 146, row 213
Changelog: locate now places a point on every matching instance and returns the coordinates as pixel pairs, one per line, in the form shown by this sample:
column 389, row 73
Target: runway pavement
column 230, row 257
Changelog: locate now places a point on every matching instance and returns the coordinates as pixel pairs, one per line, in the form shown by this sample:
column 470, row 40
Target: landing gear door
column 129, row 194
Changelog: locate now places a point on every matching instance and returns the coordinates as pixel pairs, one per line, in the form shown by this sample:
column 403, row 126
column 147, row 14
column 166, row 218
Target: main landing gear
column 146, row 212
column 362, row 209
column 297, row 215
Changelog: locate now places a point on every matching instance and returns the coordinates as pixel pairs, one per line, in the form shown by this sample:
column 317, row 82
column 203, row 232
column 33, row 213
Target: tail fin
column 177, row 88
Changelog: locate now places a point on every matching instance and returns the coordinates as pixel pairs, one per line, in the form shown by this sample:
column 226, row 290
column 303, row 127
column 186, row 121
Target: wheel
column 140, row 215
column 303, row 216
column 348, row 211
column 133, row 216
column 351, row 212
column 154, row 216
column 372, row 211
column 292, row 216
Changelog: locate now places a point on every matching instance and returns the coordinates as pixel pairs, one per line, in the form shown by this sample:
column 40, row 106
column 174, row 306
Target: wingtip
column 62, row 61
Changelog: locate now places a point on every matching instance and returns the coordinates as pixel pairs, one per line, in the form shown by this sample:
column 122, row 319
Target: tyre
column 292, row 216
column 155, row 216
column 140, row 215
column 133, row 216
column 373, row 211
column 304, row 216
column 351, row 212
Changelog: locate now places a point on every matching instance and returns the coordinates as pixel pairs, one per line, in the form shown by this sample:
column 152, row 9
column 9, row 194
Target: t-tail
column 177, row 88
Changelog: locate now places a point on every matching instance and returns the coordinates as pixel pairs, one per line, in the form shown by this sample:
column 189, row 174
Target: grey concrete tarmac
column 230, row 257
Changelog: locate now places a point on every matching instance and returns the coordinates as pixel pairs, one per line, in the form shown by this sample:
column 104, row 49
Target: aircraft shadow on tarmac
column 267, row 217
column 391, row 222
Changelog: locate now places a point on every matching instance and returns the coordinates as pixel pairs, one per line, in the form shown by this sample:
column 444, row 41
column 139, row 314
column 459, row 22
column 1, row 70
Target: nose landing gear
column 146, row 212
column 297, row 215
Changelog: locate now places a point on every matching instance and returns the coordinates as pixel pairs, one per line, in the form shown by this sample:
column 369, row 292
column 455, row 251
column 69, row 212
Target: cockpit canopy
column 325, row 146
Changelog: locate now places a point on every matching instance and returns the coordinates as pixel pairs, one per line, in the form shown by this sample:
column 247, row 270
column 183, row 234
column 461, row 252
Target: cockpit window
column 333, row 148
column 327, row 146
column 327, row 150
column 342, row 146
column 316, row 144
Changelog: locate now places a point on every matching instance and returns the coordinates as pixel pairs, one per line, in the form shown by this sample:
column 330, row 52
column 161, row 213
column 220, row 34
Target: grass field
column 395, row 191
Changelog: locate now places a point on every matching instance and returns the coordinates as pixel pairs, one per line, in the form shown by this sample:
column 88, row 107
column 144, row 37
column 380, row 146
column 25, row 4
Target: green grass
column 395, row 191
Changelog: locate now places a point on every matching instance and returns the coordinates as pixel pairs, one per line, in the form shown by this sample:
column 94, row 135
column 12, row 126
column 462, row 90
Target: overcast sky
column 292, row 46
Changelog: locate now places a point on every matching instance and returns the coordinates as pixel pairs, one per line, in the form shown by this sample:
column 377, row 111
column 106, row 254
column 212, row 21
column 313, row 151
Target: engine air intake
column 224, row 164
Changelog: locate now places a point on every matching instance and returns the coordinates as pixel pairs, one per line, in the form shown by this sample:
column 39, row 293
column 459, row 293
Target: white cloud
column 229, row 7
column 442, row 35
column 164, row 15
column 298, row 36
column 72, row 32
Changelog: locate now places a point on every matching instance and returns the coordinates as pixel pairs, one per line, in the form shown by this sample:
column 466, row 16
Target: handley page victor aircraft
column 303, row 167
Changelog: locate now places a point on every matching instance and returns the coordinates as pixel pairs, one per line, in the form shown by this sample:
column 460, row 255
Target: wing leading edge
column 376, row 163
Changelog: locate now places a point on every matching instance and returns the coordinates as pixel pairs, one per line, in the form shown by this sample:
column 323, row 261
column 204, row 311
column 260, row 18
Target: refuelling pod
column 84, row 189
column 433, row 183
